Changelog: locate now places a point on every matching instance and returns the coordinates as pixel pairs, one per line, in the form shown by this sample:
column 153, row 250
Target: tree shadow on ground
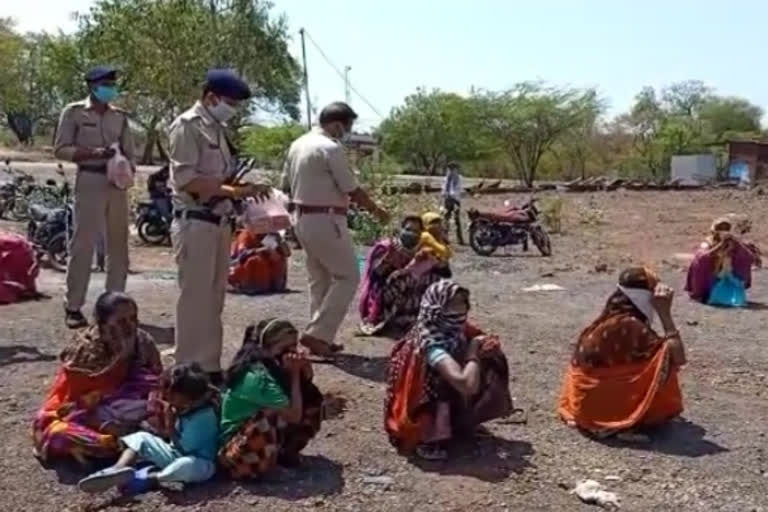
column 16, row 354
column 162, row 335
column 317, row 477
column 368, row 368
column 678, row 437
column 490, row 459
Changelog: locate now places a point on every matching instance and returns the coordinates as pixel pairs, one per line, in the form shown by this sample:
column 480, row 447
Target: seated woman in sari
column 623, row 375
column 722, row 261
column 270, row 407
column 395, row 276
column 259, row 263
column 445, row 377
column 100, row 392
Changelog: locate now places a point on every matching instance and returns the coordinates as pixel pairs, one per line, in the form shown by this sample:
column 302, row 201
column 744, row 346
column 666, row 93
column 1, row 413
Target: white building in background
column 694, row 169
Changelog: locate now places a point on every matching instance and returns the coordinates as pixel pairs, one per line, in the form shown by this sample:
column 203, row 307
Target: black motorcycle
column 153, row 228
column 490, row 230
column 50, row 229
column 14, row 195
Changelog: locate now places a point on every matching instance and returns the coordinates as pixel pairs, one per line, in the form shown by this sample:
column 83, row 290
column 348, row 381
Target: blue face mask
column 105, row 93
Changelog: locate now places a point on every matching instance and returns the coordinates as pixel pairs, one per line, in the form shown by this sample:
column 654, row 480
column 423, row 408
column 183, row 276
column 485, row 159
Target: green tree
column 164, row 47
column 431, row 129
column 269, row 144
column 525, row 121
column 729, row 115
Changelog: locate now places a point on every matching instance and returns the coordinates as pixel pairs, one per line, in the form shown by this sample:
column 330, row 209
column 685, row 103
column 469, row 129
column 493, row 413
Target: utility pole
column 347, row 96
column 306, row 80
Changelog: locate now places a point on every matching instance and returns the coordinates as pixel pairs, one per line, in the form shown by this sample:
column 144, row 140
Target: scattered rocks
column 601, row 268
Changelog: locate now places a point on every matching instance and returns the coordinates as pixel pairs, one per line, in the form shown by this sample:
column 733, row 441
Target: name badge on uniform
column 91, row 125
column 213, row 146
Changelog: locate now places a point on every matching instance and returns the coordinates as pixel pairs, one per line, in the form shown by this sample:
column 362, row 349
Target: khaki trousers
column 99, row 208
column 202, row 256
column 333, row 271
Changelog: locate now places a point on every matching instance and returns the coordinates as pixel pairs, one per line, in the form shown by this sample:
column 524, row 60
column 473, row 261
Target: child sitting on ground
column 190, row 455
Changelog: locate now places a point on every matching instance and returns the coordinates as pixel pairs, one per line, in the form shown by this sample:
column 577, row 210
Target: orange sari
column 264, row 271
column 621, row 376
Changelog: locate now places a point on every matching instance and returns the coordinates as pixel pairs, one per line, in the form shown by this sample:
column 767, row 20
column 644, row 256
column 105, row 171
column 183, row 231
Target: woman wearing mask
column 396, row 274
column 445, row 377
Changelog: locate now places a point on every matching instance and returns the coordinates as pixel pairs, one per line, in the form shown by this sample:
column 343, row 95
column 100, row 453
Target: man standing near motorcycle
column 84, row 135
column 452, row 200
column 200, row 163
column 320, row 183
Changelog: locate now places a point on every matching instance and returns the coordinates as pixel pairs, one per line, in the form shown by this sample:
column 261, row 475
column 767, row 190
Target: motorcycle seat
column 511, row 216
column 38, row 212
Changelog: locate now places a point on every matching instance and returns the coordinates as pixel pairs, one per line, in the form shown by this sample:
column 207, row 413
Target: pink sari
column 702, row 273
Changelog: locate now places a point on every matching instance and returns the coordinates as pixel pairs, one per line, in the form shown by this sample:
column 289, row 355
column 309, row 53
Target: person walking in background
column 452, row 199
column 320, row 183
column 84, row 135
column 200, row 162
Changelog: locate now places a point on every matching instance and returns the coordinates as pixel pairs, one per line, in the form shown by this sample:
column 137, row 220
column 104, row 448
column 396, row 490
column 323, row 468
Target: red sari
column 255, row 268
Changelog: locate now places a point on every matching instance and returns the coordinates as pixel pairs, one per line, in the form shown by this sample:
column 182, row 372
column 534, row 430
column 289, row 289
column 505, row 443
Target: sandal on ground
column 106, row 479
column 319, row 347
column 75, row 319
column 431, row 451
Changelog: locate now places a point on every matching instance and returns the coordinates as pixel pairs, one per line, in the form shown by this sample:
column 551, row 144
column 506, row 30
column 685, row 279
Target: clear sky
column 617, row 46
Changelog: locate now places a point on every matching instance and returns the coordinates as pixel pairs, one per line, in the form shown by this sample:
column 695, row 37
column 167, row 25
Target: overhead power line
column 341, row 74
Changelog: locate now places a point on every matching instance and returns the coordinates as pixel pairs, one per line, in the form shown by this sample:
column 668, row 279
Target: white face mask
column 223, row 111
column 643, row 300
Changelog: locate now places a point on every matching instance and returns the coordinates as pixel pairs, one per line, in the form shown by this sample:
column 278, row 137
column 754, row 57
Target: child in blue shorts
column 190, row 455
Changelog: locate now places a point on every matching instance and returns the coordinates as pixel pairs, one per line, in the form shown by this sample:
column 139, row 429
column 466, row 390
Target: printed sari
column 266, row 439
column 414, row 388
column 390, row 295
column 99, row 393
column 621, row 374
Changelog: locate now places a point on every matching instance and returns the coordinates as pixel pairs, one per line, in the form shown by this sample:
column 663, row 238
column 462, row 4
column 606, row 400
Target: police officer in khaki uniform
column 320, row 182
column 85, row 133
column 200, row 162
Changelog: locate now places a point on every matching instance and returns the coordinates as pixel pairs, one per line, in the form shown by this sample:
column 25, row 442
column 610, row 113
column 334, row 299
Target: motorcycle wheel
column 542, row 241
column 57, row 252
column 151, row 233
column 478, row 231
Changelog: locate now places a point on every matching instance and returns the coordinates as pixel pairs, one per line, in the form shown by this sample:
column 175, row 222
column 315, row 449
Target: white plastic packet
column 119, row 171
column 265, row 216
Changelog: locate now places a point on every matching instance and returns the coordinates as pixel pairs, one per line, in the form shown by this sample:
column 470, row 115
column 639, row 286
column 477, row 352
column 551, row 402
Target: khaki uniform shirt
column 82, row 126
column 317, row 172
column 198, row 148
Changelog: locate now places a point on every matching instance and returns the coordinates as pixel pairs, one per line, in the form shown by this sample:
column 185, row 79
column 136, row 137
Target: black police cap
column 225, row 82
column 101, row 73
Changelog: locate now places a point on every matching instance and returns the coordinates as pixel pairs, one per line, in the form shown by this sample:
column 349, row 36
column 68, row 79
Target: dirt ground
column 712, row 459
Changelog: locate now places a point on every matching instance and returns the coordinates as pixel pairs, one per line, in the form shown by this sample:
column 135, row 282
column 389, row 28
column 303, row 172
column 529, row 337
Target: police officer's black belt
column 201, row 215
column 94, row 168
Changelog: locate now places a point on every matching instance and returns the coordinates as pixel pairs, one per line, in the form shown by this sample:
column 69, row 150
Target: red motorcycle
column 512, row 226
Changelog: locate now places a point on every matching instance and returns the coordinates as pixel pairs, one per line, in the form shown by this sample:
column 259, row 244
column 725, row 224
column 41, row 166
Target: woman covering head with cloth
column 395, row 276
column 445, row 376
column 270, row 407
column 723, row 263
column 622, row 374
column 100, row 391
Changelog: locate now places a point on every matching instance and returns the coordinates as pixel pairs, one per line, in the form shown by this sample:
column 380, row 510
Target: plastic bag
column 119, row 171
column 267, row 216
column 728, row 291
